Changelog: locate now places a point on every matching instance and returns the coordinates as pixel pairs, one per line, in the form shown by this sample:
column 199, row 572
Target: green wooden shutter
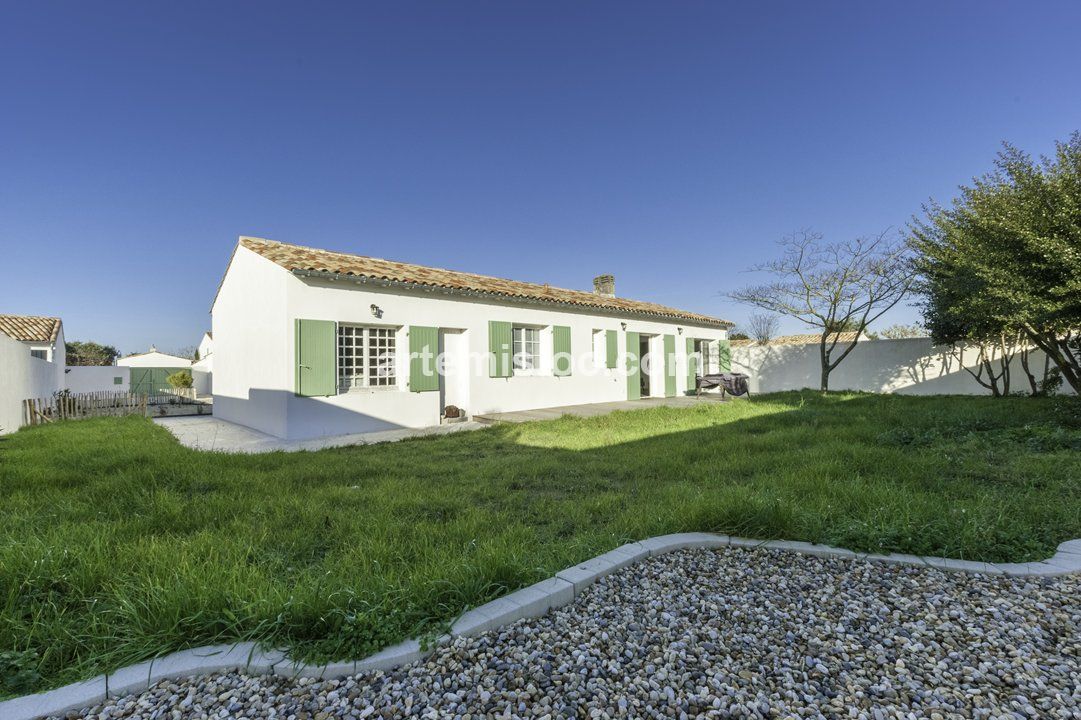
column 692, row 368
column 499, row 348
column 423, row 348
column 316, row 344
column 611, row 349
column 724, row 349
column 561, row 351
column 669, row 366
column 634, row 368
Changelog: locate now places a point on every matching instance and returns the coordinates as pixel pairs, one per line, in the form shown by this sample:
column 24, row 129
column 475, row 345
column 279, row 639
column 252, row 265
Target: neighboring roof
column 808, row 339
column 156, row 355
column 30, row 328
column 298, row 259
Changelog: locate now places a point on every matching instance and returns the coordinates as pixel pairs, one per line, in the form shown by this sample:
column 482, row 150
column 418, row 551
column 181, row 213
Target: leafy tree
column 1004, row 257
column 835, row 287
column 90, row 353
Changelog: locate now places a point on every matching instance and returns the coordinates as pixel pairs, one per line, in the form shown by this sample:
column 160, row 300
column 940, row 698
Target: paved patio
column 211, row 433
column 594, row 409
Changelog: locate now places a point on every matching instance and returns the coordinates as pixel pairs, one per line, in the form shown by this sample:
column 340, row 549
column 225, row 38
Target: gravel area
column 730, row 633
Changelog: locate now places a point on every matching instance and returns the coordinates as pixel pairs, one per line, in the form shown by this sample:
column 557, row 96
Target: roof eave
column 465, row 292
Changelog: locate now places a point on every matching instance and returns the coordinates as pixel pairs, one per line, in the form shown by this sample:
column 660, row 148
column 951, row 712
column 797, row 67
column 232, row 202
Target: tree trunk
column 1050, row 345
column 823, row 355
column 1028, row 372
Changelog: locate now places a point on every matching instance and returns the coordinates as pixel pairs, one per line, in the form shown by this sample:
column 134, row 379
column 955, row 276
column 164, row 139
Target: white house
column 309, row 343
column 202, row 369
column 148, row 370
column 32, row 356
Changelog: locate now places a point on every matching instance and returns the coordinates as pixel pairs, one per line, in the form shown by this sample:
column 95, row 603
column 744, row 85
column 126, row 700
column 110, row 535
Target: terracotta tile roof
column 807, row 339
column 30, row 328
column 297, row 258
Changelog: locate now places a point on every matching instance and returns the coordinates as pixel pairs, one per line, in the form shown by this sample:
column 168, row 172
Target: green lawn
column 117, row 544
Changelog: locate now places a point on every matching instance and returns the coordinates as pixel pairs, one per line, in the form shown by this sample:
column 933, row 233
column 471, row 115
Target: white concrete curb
column 532, row 601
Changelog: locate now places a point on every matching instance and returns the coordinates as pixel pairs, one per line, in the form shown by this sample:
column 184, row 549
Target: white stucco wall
column 97, row 378
column 254, row 353
column 251, row 359
column 23, row 377
column 910, row 366
column 206, row 346
column 202, row 375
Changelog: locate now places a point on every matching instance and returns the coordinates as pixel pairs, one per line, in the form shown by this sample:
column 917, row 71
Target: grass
column 117, row 544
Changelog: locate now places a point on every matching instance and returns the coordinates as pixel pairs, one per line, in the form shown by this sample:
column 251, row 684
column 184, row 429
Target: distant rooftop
column 805, row 339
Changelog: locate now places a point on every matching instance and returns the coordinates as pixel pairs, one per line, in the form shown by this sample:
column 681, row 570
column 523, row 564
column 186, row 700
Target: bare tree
column 836, row 287
column 762, row 328
column 901, row 332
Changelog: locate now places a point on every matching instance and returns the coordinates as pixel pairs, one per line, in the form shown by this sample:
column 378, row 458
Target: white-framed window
column 600, row 349
column 40, row 353
column 366, row 357
column 526, row 350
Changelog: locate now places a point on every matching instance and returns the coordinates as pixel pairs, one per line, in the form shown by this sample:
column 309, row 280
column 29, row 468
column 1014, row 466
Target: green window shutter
column 316, row 345
column 724, row 354
column 634, row 368
column 561, row 351
column 499, row 348
column 423, row 348
column 692, row 367
column 611, row 350
column 669, row 366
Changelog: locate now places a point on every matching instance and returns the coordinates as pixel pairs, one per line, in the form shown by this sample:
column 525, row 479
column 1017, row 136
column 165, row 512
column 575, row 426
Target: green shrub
column 179, row 379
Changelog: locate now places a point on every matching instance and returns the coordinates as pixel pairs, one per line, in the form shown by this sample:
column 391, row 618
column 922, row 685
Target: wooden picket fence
column 76, row 406
column 172, row 396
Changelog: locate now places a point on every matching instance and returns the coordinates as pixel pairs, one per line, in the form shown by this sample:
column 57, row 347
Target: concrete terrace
column 214, row 434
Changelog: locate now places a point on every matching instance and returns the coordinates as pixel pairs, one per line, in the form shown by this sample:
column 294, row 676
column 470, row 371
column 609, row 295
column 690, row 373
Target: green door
column 152, row 380
column 692, row 368
column 316, row 361
column 634, row 368
column 669, row 366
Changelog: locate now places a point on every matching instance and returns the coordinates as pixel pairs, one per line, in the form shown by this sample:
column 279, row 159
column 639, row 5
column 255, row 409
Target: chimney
column 605, row 285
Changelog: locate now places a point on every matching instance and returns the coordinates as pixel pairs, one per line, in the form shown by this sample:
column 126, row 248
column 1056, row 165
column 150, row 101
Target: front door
column 647, row 362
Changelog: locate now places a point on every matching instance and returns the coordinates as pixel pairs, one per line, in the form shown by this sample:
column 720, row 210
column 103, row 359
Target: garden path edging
column 532, row 601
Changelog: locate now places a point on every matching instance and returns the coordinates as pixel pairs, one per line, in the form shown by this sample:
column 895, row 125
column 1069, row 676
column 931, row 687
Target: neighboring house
column 43, row 335
column 148, row 370
column 31, row 364
column 202, row 370
column 309, row 343
column 843, row 339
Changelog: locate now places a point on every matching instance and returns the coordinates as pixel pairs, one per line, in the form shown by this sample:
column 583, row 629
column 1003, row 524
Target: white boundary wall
column 912, row 366
column 21, row 377
column 97, row 378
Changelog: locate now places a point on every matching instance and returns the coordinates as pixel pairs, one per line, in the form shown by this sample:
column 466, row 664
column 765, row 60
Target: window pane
column 366, row 357
column 525, row 347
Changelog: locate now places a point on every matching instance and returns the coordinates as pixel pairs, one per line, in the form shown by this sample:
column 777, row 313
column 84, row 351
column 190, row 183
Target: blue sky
column 670, row 144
